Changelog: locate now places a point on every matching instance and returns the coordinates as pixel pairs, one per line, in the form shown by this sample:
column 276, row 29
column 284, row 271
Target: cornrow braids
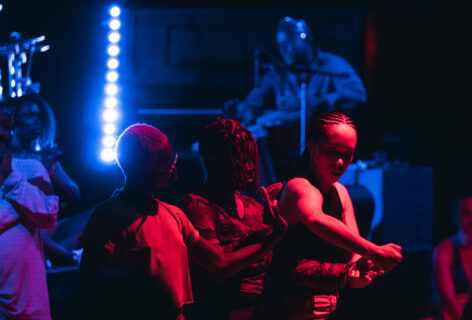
column 228, row 139
column 316, row 130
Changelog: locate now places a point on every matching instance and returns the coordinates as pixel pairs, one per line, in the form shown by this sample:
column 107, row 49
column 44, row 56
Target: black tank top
column 300, row 243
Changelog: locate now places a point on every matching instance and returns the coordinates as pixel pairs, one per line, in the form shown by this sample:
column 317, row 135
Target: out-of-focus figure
column 307, row 80
column 453, row 264
column 33, row 137
column 27, row 205
column 332, row 84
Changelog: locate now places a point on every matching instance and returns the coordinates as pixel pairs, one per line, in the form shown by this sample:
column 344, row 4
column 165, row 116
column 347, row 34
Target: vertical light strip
column 111, row 101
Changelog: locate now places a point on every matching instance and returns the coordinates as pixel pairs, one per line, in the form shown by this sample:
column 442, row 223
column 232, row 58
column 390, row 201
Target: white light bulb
column 111, row 102
column 107, row 155
column 115, row 11
column 109, row 128
column 110, row 115
column 113, row 63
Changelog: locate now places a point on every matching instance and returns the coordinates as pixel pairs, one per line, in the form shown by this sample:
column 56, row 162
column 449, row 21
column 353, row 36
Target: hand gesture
column 280, row 225
column 361, row 273
column 387, row 257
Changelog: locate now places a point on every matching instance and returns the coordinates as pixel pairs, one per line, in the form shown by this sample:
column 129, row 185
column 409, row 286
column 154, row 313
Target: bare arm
column 443, row 257
column 30, row 202
column 224, row 265
column 301, row 202
column 63, row 182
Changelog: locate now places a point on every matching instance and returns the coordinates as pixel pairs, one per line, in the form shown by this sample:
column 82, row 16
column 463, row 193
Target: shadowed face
column 28, row 121
column 293, row 49
column 163, row 171
column 332, row 154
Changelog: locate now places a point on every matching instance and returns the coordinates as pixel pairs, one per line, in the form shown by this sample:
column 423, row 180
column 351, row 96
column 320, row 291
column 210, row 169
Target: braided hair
column 316, row 130
column 228, row 141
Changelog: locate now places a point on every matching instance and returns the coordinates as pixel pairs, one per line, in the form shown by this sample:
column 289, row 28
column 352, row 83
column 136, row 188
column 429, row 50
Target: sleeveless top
column 301, row 244
column 459, row 277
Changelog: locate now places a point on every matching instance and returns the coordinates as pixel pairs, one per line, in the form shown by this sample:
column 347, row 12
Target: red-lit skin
column 154, row 175
column 301, row 202
column 453, row 305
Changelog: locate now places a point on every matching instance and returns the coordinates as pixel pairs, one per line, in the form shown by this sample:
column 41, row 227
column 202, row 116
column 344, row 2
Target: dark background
column 417, row 75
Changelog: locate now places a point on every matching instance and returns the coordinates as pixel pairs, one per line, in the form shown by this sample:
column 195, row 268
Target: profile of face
column 244, row 174
column 292, row 47
column 28, row 121
column 162, row 172
column 465, row 215
column 332, row 153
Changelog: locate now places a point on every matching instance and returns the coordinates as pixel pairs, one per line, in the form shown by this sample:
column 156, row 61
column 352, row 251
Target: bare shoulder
column 300, row 187
column 342, row 191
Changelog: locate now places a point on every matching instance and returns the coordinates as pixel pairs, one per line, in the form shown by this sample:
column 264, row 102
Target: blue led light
column 109, row 128
column 111, row 102
column 114, row 24
column 110, row 115
column 114, row 37
column 115, row 11
column 112, row 63
column 107, row 155
column 113, row 50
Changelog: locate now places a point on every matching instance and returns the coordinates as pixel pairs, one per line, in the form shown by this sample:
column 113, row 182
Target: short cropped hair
column 138, row 145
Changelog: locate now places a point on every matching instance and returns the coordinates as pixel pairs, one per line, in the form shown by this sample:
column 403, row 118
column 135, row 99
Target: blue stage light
column 115, row 11
column 107, row 155
column 113, row 50
column 114, row 24
column 112, row 63
column 111, row 89
column 114, row 37
column 112, row 76
column 110, row 115
column 111, row 102
column 109, row 128
column 108, row 141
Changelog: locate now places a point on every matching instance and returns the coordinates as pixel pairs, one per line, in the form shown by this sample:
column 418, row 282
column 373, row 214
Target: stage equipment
column 19, row 53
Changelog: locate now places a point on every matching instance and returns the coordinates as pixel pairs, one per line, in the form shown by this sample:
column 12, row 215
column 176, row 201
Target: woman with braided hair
column 322, row 251
column 228, row 219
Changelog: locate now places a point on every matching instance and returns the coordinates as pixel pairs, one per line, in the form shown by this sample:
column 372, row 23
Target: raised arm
column 32, row 200
column 301, row 202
